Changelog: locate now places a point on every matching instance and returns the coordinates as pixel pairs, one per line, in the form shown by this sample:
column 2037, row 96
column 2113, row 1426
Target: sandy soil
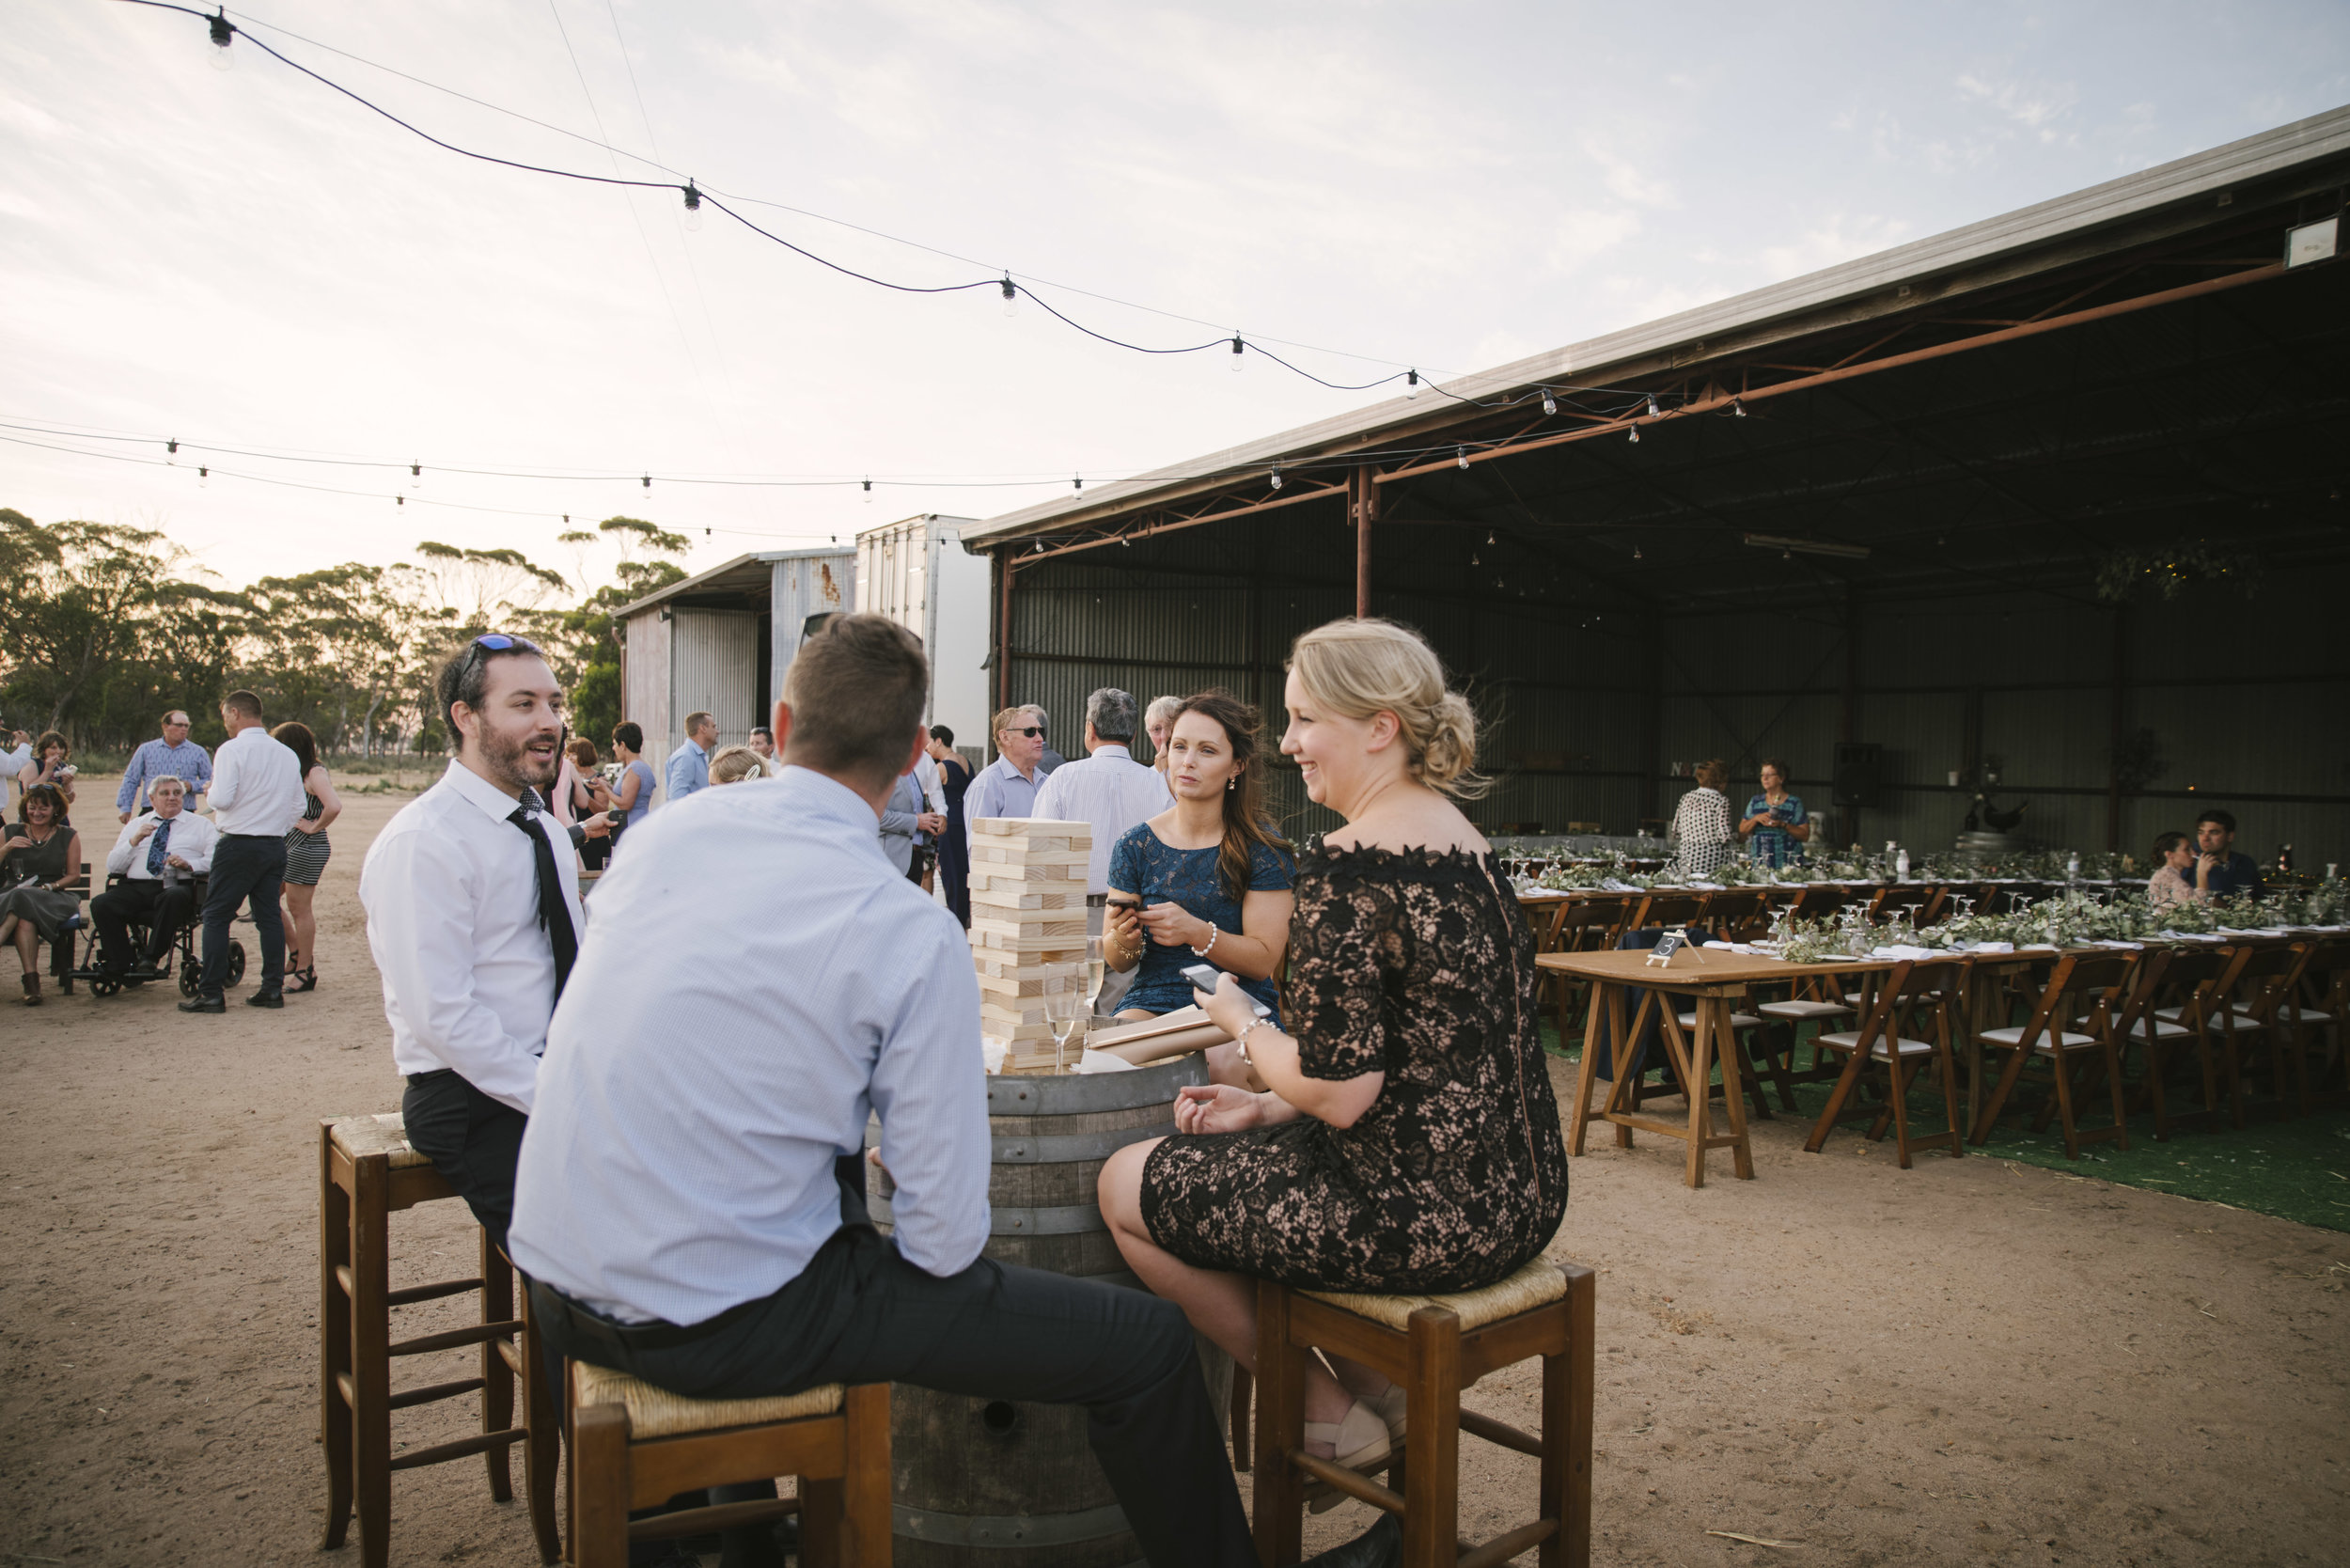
column 1966, row 1362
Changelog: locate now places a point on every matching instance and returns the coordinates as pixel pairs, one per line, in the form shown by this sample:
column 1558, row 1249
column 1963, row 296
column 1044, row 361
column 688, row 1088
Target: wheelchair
column 184, row 959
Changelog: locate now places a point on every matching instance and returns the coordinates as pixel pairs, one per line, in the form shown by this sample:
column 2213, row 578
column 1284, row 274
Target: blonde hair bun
column 1358, row 669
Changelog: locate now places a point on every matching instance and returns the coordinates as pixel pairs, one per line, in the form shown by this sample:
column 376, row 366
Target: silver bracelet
column 1242, row 1039
column 1214, row 931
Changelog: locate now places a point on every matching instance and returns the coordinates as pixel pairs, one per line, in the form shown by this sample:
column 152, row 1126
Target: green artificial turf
column 2296, row 1170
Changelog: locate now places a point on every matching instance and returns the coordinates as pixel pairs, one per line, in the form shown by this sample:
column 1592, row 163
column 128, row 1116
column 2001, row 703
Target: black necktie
column 552, row 915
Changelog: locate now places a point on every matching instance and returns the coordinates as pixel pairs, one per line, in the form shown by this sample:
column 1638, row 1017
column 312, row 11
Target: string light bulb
column 1636, row 551
column 223, row 30
column 1410, row 384
column 1236, row 349
column 869, row 490
column 398, row 500
column 1076, row 481
column 1738, row 407
column 1550, row 405
column 415, row 476
column 649, row 481
column 1011, row 298
column 1460, row 455
column 171, row 449
column 1636, row 435
column 203, row 478
column 1653, row 411
column 693, row 207
column 1276, row 476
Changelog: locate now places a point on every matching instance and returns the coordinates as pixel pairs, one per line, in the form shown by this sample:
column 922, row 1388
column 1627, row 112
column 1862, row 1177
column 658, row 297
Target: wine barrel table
column 996, row 1482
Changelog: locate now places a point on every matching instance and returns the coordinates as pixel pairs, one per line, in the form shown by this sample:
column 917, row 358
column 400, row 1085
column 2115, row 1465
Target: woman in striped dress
column 307, row 853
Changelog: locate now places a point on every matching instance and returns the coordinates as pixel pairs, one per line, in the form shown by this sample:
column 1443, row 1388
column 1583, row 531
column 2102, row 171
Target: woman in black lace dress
column 1409, row 1142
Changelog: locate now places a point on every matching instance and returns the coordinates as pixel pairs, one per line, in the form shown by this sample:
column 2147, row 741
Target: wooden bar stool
column 1433, row 1346
column 635, row 1446
column 367, row 1173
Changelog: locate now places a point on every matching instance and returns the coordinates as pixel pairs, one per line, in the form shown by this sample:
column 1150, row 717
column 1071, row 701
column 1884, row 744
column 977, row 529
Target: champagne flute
column 1065, row 1009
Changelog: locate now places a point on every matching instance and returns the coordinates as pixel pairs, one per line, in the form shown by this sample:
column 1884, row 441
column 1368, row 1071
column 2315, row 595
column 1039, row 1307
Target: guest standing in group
column 632, row 796
column 1157, row 721
column 13, row 757
column 581, row 788
column 688, row 768
column 1408, row 1142
column 1210, row 875
column 903, row 822
column 1700, row 826
column 53, row 765
column 691, row 1205
column 2220, row 869
column 2181, row 874
column 1112, row 793
column 175, row 757
column 158, row 855
column 306, row 854
column 1006, row 787
column 40, row 857
column 1048, row 761
column 474, row 918
column 1775, row 827
column 735, row 764
column 954, row 844
column 763, row 742
column 257, row 798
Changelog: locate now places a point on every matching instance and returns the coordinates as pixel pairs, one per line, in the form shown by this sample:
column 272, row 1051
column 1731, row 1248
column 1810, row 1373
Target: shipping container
column 916, row 572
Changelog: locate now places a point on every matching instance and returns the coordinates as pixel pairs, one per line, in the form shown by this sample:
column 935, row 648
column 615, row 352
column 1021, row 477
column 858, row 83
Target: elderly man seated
column 159, row 854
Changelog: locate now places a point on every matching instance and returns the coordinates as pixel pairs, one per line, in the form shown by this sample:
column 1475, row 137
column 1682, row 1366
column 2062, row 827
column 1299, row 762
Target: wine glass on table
column 1066, row 1005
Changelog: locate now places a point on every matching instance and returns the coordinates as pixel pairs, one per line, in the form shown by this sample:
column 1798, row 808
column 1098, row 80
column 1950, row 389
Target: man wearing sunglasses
column 1006, row 787
column 472, row 894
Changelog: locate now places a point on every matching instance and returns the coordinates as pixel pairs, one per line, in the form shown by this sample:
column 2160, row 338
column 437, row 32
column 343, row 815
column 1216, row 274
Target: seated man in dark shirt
column 2215, row 846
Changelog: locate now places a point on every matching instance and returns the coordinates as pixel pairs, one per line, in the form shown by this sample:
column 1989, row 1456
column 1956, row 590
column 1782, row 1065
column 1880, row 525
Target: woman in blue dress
column 1210, row 875
column 1775, row 826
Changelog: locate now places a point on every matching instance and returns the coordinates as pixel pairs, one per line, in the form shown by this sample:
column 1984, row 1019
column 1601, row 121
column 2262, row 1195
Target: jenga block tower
column 1027, row 924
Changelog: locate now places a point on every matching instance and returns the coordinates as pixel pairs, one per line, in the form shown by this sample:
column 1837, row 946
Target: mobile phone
column 1203, row 978
column 1124, row 901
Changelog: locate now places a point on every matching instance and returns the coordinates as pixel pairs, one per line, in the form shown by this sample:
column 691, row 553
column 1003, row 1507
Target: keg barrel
column 1000, row 1483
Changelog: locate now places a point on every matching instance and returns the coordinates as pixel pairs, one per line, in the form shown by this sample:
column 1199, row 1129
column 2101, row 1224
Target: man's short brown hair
column 695, row 721
column 242, row 703
column 856, row 691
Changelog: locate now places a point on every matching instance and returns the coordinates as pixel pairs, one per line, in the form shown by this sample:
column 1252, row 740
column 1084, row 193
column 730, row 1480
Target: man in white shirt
column 157, row 855
column 763, row 742
column 472, row 895
column 1006, row 787
column 257, row 797
column 12, row 759
column 759, row 981
column 1111, row 790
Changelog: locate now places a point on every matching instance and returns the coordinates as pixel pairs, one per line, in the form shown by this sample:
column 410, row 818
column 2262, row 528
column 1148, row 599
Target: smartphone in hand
column 1203, row 978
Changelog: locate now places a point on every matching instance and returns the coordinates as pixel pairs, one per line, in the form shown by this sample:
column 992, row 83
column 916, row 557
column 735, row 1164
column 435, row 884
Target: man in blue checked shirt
column 759, row 981
column 175, row 756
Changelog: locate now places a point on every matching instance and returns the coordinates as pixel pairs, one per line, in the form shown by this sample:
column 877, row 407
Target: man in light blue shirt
column 688, row 769
column 176, row 757
column 1006, row 787
column 758, row 980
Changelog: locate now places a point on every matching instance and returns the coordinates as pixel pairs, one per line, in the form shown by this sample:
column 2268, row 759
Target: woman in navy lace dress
column 1212, row 876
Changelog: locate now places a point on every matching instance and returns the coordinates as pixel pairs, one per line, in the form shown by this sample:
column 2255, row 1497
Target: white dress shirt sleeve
column 195, row 843
column 421, row 929
column 118, row 857
column 929, row 1089
column 1051, row 798
column 225, row 777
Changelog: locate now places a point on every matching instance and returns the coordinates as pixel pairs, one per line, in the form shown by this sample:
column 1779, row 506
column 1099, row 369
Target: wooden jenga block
column 1026, row 896
column 1001, row 874
column 1032, row 831
column 990, row 856
column 1028, row 936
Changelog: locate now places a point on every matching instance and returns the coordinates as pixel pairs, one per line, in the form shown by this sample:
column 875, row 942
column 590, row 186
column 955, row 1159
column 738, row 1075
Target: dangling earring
column 1231, row 784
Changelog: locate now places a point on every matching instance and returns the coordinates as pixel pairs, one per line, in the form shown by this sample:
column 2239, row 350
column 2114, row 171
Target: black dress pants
column 163, row 910
column 472, row 1140
column 245, row 866
column 860, row 1313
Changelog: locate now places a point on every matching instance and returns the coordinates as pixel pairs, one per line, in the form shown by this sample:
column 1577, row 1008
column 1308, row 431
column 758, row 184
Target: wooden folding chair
column 2259, row 991
column 2135, row 1023
column 2325, row 987
column 1916, row 900
column 1736, row 913
column 2074, row 1018
column 1668, row 909
column 1888, row 1036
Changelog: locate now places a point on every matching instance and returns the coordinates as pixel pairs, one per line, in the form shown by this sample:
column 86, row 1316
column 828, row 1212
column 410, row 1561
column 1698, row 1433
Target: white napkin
column 2132, row 947
column 994, row 1052
column 1990, row 946
column 1901, row 950
column 1103, row 1061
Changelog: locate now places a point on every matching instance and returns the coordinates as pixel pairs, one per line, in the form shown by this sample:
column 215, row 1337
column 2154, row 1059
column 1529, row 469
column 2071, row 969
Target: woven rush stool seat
column 368, row 1171
column 1433, row 1346
column 634, row 1446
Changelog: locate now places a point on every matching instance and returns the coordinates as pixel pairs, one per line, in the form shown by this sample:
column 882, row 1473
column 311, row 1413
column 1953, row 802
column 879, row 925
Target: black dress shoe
column 266, row 999
column 1380, row 1546
column 205, row 1004
column 144, row 974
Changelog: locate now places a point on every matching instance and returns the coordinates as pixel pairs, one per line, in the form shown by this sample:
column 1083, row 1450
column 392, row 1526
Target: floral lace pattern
column 1413, row 964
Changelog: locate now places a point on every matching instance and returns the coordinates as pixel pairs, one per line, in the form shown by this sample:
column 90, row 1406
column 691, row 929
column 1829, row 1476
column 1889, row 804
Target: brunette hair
column 48, row 738
column 2225, row 818
column 47, row 794
column 583, row 753
column 1245, row 825
column 1358, row 669
column 243, row 703
column 629, row 734
column 2166, row 842
column 1785, row 773
column 856, row 691
column 296, row 738
column 1714, row 773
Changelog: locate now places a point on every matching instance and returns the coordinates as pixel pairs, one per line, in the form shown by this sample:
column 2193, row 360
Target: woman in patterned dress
column 307, row 853
column 1701, row 825
column 1409, row 1140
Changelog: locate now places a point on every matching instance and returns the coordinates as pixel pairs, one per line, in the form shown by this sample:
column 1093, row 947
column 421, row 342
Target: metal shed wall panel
column 645, row 702
column 805, row 584
column 713, row 670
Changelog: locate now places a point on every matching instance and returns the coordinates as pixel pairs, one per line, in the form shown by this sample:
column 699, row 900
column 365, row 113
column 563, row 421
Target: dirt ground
column 1966, row 1362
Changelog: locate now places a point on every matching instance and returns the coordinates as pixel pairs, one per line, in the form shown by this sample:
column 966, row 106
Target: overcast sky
column 246, row 257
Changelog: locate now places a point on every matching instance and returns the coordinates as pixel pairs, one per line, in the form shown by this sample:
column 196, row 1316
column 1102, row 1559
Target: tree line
column 105, row 627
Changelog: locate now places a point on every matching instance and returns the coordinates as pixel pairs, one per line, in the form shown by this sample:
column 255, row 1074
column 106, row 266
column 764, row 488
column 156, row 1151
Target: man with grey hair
column 1115, row 794
column 1158, row 722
